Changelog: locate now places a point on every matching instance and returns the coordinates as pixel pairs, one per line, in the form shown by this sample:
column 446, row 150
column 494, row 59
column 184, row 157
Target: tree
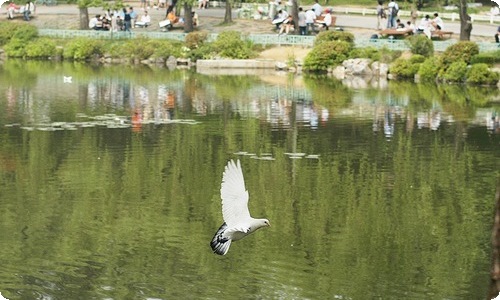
column 295, row 15
column 465, row 21
column 228, row 17
column 188, row 16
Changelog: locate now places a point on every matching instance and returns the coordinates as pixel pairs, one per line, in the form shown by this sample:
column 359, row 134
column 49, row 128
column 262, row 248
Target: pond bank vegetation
column 459, row 63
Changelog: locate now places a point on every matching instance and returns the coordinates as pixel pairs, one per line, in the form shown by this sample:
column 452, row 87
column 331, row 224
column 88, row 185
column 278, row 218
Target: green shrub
column 417, row 59
column 481, row 74
column 328, row 36
column 404, row 68
column 15, row 48
column 231, row 45
column 368, row 52
column 22, row 32
column 25, row 32
column 140, row 48
column 491, row 57
column 82, row 49
column 420, row 44
column 205, row 51
column 41, row 48
column 7, row 30
column 429, row 69
column 327, row 54
column 196, row 39
column 167, row 48
column 455, row 72
column 387, row 55
column 462, row 51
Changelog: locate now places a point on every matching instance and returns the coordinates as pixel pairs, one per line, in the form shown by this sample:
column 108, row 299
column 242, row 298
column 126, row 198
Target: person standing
column 127, row 20
column 497, row 35
column 302, row 22
column 310, row 18
column 393, row 9
column 318, row 10
column 380, row 15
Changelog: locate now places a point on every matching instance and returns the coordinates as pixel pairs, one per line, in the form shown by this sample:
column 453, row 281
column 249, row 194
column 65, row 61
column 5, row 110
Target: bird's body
column 237, row 220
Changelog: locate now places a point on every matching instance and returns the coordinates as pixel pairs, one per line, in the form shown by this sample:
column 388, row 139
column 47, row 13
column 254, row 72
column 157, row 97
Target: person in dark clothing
column 127, row 20
column 497, row 35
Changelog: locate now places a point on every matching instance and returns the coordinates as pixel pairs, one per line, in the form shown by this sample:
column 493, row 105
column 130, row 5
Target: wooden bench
column 395, row 32
column 441, row 34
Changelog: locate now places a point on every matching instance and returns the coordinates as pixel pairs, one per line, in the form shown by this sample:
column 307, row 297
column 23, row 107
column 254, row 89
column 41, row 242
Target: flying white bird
column 237, row 220
column 67, row 79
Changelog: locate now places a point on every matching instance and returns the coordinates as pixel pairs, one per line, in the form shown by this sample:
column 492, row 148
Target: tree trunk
column 465, row 22
column 295, row 15
column 188, row 17
column 228, row 17
column 84, row 18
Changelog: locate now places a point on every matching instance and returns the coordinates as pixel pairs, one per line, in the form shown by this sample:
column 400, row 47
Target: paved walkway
column 349, row 21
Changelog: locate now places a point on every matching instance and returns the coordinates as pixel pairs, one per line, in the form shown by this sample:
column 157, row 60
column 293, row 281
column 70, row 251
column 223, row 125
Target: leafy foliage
column 196, row 39
column 230, row 44
column 23, row 32
column 7, row 30
column 491, row 57
column 328, row 36
column 41, row 48
column 327, row 54
column 82, row 49
column 461, row 51
column 369, row 52
column 481, row 74
column 420, row 44
column 406, row 68
column 15, row 48
column 429, row 69
column 455, row 72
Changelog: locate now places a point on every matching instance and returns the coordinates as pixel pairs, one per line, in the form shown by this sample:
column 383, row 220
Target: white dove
column 237, row 220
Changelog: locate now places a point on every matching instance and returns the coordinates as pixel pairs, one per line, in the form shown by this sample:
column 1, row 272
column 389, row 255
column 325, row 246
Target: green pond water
column 110, row 178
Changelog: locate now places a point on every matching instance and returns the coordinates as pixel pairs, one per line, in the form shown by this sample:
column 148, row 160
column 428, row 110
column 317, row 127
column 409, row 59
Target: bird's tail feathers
column 220, row 244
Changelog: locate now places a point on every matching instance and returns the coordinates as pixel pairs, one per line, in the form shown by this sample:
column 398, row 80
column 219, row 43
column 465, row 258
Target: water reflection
column 386, row 189
column 309, row 104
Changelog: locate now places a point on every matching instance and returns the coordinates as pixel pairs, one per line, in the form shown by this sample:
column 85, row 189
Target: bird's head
column 265, row 222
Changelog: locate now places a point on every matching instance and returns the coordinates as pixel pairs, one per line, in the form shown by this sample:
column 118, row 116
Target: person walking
column 393, row 9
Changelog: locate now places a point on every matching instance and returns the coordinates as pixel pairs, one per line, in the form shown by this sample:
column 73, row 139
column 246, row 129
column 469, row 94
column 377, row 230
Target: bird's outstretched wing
column 234, row 195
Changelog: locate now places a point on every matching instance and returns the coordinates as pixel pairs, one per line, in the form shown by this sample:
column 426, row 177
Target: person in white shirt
column 393, row 9
column 145, row 20
column 437, row 22
column 425, row 25
column 310, row 17
column 317, row 8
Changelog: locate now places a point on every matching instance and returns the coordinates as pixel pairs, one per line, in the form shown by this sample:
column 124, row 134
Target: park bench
column 20, row 13
column 441, row 34
column 395, row 32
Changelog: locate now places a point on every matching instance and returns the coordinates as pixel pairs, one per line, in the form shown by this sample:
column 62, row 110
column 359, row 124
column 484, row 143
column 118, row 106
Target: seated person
column 172, row 17
column 424, row 23
column 328, row 20
column 145, row 20
column 410, row 27
column 287, row 25
column 93, row 22
column 437, row 22
column 11, row 9
column 399, row 24
column 280, row 17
